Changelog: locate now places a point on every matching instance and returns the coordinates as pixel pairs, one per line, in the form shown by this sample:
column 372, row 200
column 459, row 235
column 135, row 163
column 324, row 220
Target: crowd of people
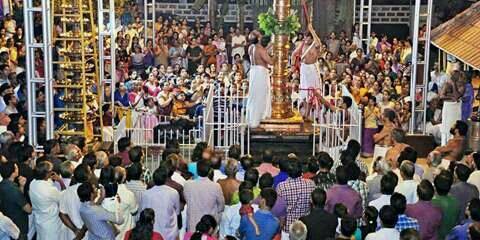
column 13, row 85
column 73, row 192
column 76, row 192
column 170, row 75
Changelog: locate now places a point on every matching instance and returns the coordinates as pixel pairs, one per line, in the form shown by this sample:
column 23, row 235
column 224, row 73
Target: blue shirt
column 123, row 100
column 192, row 168
column 267, row 223
column 460, row 232
column 467, row 102
column 282, row 176
column 97, row 219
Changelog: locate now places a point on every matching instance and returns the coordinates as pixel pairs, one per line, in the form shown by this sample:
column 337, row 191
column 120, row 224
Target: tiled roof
column 460, row 36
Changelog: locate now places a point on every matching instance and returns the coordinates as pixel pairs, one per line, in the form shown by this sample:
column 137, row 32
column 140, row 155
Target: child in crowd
column 246, row 198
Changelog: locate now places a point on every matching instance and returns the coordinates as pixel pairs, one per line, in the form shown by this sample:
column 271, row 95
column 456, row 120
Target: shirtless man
column 309, row 76
column 455, row 147
column 383, row 139
column 259, row 103
column 398, row 139
column 454, row 88
column 230, row 184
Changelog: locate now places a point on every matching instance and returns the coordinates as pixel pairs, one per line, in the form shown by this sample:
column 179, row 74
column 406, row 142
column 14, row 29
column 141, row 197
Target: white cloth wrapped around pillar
column 308, row 79
column 451, row 112
column 259, row 103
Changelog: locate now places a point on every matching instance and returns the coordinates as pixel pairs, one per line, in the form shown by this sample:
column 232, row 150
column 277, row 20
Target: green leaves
column 269, row 24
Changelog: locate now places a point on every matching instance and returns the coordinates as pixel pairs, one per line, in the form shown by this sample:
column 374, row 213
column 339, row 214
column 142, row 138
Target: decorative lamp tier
column 76, row 81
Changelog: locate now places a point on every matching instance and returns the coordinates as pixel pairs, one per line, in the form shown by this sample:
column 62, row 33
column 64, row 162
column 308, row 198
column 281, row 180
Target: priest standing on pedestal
column 259, row 103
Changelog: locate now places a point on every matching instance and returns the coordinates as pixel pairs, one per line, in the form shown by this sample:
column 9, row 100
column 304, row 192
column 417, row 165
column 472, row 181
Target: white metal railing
column 333, row 129
column 149, row 17
column 224, row 122
column 34, row 81
column 106, row 50
column 208, row 117
column 154, row 140
column 119, row 131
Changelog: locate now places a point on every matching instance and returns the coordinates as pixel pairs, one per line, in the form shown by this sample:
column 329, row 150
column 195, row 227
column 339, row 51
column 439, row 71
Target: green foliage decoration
column 270, row 25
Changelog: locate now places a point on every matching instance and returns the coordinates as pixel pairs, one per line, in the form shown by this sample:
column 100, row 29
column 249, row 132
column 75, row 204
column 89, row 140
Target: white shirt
column 400, row 178
column 408, row 188
column 76, row 163
column 9, row 110
column 238, row 50
column 137, row 187
column 165, row 201
column 3, row 129
column 380, row 202
column 97, row 172
column 66, row 182
column 475, row 179
column 357, row 41
column 70, row 205
column 218, row 175
column 230, row 221
column 438, row 78
column 45, row 199
column 126, row 208
column 384, row 233
column 8, row 229
column 178, row 178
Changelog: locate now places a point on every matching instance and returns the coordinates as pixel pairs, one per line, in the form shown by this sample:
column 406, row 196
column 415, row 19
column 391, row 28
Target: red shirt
column 155, row 236
column 125, row 158
column 246, row 209
column 308, row 175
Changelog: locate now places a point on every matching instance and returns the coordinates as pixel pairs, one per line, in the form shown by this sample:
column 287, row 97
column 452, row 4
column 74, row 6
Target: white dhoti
column 451, row 112
column 308, row 79
column 259, row 103
column 434, row 130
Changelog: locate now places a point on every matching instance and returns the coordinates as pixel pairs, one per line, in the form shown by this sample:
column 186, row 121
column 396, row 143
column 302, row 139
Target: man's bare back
column 393, row 153
column 454, row 88
column 384, row 137
column 259, row 56
column 229, row 187
column 453, row 150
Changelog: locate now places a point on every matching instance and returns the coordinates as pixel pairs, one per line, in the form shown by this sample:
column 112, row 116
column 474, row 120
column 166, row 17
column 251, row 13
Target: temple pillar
column 281, row 100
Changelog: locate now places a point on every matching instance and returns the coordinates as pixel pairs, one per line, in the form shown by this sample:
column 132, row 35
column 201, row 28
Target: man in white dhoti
column 259, row 103
column 45, row 199
column 309, row 76
column 451, row 93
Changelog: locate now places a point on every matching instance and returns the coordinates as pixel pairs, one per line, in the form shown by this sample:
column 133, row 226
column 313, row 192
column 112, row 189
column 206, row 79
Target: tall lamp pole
column 281, row 100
